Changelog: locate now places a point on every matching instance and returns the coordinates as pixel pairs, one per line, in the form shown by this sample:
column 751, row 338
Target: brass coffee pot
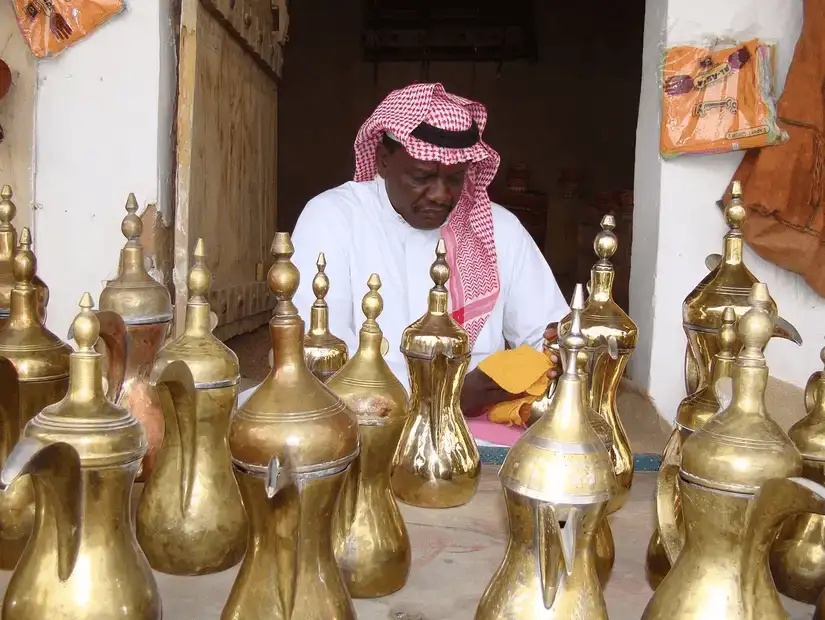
column 82, row 455
column 720, row 568
column 324, row 353
column 437, row 464
column 190, row 520
column 727, row 285
column 8, row 245
column 371, row 542
column 605, row 548
column 691, row 415
column 144, row 315
column 798, row 555
column 557, row 480
column 602, row 318
column 291, row 445
column 34, row 373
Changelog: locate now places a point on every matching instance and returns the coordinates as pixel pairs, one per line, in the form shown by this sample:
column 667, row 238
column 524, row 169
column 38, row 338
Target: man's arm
column 533, row 300
column 322, row 227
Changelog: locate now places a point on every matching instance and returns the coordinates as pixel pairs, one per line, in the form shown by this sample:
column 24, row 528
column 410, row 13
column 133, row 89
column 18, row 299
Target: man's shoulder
column 504, row 220
column 343, row 199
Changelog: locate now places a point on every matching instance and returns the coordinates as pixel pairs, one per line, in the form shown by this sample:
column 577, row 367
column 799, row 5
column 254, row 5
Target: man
column 421, row 173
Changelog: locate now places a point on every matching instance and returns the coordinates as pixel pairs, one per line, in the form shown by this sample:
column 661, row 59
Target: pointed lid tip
column 726, row 335
column 441, row 248
column 283, row 277
column 86, row 326
column 132, row 225
column 735, row 211
column 756, row 326
column 440, row 269
column 573, row 340
column 606, row 243
column 320, row 283
column 372, row 305
column 578, row 298
column 200, row 278
column 25, row 262
column 7, row 208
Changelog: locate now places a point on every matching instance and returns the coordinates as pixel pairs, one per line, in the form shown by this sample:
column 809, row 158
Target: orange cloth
column 50, row 26
column 518, row 371
column 718, row 100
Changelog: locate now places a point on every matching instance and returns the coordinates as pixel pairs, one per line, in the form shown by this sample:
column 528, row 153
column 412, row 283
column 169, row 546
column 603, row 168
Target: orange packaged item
column 50, row 26
column 718, row 100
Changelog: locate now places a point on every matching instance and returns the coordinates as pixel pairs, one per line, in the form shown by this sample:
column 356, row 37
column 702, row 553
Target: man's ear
column 382, row 156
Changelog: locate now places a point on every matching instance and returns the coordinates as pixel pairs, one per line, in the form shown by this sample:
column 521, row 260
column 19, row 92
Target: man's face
column 422, row 192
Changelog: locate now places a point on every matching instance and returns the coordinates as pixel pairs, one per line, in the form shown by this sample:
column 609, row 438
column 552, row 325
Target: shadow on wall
column 576, row 107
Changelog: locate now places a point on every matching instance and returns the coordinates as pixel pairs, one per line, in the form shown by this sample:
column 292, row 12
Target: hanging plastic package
column 718, row 99
column 50, row 26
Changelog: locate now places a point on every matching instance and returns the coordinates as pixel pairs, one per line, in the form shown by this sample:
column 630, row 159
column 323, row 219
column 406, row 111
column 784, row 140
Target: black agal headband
column 445, row 138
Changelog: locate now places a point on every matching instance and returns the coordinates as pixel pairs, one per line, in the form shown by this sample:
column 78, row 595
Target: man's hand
column 480, row 391
column 551, row 335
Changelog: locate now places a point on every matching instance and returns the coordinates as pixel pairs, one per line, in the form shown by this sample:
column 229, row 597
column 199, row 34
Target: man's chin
column 425, row 222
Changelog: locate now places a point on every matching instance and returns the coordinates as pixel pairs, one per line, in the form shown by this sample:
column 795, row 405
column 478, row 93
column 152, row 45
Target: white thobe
column 360, row 233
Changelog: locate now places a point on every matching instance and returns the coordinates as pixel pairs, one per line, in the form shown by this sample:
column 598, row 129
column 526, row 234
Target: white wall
column 676, row 214
column 103, row 130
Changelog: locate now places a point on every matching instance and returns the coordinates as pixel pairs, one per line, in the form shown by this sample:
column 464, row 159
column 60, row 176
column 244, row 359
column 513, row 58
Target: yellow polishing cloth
column 518, row 371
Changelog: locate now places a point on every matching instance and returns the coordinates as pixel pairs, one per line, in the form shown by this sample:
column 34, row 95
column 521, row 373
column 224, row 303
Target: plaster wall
column 104, row 129
column 677, row 223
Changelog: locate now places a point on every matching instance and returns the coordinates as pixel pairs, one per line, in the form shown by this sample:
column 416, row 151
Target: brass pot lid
column 291, row 416
column 602, row 318
column 137, row 297
column 436, row 332
column 102, row 433
column 8, row 243
column 560, row 459
column 324, row 352
column 366, row 383
column 36, row 353
column 211, row 362
column 742, row 447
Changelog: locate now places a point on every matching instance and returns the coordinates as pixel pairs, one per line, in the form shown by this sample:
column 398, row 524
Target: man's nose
column 439, row 192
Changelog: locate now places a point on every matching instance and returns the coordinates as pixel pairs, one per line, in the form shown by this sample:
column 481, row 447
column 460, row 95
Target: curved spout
column 783, row 329
column 775, row 501
column 811, row 390
column 176, row 393
column 278, row 477
column 555, row 546
column 113, row 335
column 56, row 466
column 712, row 261
column 668, row 509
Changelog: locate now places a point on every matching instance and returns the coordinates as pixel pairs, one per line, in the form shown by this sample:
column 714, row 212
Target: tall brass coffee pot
column 291, row 445
column 437, row 464
column 557, row 479
column 371, row 542
column 727, row 285
column 603, row 318
column 82, row 455
column 798, row 555
column 721, row 567
column 691, row 415
column 605, row 548
column 34, row 373
column 8, row 245
column 190, row 520
column 324, row 353
column 145, row 307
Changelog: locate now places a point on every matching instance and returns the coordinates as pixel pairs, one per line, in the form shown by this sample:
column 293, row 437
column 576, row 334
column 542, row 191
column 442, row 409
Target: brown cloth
column 783, row 184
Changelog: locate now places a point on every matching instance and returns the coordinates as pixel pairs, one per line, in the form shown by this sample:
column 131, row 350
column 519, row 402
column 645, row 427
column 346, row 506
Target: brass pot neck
column 86, row 378
column 369, row 343
column 601, row 279
column 319, row 319
column 197, row 319
column 287, row 336
column 733, row 248
column 749, row 384
column 7, row 242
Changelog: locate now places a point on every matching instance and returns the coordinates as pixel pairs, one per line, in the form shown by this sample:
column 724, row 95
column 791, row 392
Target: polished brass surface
column 437, row 464
column 8, row 244
column 82, row 455
column 291, row 445
column 728, row 284
column 371, row 542
column 605, row 549
column 693, row 412
column 603, row 319
column 798, row 555
column 558, row 479
column 146, row 309
column 34, row 373
column 721, row 565
column 324, row 353
column 190, row 520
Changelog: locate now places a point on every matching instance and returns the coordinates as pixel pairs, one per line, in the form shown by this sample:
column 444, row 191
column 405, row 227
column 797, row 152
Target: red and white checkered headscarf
column 471, row 251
